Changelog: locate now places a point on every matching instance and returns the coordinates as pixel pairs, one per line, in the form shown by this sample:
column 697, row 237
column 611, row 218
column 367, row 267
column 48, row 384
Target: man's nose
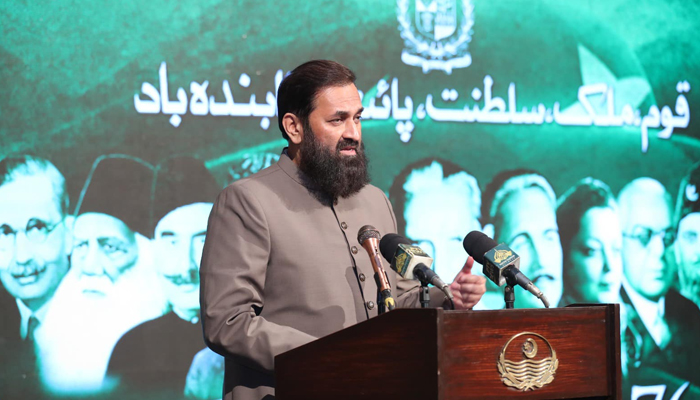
column 92, row 262
column 23, row 249
column 353, row 130
column 656, row 246
column 185, row 259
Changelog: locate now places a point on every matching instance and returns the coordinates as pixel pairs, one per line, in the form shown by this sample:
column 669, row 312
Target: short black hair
column 297, row 92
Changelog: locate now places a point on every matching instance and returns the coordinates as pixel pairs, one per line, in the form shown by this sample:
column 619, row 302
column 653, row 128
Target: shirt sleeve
column 233, row 270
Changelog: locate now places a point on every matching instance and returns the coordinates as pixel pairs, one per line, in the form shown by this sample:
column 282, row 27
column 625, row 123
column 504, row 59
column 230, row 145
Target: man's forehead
column 338, row 99
column 27, row 197
column 189, row 219
column 98, row 225
column 652, row 212
column 527, row 210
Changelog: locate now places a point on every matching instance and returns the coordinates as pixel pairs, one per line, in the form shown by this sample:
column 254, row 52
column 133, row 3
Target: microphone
column 501, row 264
column 411, row 261
column 368, row 237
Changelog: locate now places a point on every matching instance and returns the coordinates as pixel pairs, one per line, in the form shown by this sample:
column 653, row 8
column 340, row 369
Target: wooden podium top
column 438, row 354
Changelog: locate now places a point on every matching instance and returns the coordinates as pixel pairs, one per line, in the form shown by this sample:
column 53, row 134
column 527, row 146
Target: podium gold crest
column 532, row 372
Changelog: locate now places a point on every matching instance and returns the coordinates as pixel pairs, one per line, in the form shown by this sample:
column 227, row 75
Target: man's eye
column 36, row 225
column 6, row 230
column 589, row 252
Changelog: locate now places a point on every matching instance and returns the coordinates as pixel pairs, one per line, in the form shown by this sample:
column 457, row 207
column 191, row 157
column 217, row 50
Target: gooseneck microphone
column 501, row 264
column 368, row 237
column 411, row 261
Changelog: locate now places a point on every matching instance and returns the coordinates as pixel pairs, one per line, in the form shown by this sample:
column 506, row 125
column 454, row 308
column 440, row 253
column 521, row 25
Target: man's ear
column 293, row 126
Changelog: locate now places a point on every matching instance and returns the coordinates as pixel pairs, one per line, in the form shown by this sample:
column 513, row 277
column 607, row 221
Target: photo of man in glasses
column 35, row 242
column 667, row 325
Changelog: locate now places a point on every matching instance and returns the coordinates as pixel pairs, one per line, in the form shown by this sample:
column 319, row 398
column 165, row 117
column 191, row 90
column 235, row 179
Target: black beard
column 332, row 175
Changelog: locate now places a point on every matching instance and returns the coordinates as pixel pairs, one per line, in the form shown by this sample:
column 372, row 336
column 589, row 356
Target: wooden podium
column 436, row 354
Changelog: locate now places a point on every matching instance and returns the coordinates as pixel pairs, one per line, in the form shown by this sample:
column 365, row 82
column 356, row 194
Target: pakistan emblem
column 501, row 255
column 436, row 33
column 531, row 372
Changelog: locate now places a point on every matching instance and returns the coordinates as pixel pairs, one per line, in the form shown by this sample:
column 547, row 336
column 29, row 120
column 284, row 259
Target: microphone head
column 367, row 232
column 390, row 243
column 477, row 245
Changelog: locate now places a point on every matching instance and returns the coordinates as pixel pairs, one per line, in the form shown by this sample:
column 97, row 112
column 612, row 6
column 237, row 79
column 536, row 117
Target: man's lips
column 26, row 275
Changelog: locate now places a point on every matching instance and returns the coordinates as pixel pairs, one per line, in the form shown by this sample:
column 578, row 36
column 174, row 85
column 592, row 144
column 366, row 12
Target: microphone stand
column 509, row 293
column 381, row 307
column 424, row 295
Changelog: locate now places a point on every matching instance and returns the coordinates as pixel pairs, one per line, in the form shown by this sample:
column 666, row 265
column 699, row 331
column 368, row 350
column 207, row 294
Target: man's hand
column 467, row 288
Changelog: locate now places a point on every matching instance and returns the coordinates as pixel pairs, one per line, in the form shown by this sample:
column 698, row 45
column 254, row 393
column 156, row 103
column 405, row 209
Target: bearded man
column 281, row 264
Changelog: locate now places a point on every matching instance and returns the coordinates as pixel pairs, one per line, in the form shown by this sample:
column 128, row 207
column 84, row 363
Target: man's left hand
column 467, row 288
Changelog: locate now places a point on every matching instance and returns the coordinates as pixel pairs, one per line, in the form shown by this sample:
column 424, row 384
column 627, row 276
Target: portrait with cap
column 112, row 210
column 158, row 354
column 112, row 285
column 687, row 246
column 184, row 193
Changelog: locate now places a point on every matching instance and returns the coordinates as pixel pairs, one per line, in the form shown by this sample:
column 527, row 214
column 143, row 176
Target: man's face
column 179, row 239
column 104, row 248
column 595, row 265
column 530, row 228
column 337, row 117
column 437, row 219
column 688, row 253
column 332, row 153
column 34, row 241
column 647, row 233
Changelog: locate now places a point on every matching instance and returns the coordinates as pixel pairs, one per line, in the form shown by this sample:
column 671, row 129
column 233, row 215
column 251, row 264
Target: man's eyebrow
column 167, row 233
column 343, row 113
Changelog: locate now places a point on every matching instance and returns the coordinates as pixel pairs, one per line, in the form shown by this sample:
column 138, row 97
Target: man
column 156, row 356
column 436, row 204
column 519, row 209
column 34, row 245
column 663, row 325
column 687, row 247
column 282, row 265
column 112, row 285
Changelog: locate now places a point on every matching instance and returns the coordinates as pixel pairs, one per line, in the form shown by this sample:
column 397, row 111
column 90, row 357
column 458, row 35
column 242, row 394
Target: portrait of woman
column 591, row 241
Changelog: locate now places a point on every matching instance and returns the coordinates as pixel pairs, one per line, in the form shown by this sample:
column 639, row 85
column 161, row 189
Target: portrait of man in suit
column 663, row 325
column 518, row 209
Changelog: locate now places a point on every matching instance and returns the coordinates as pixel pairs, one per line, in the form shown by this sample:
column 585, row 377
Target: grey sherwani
column 281, row 269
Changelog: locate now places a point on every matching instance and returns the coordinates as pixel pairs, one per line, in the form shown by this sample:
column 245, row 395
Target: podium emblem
column 533, row 370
